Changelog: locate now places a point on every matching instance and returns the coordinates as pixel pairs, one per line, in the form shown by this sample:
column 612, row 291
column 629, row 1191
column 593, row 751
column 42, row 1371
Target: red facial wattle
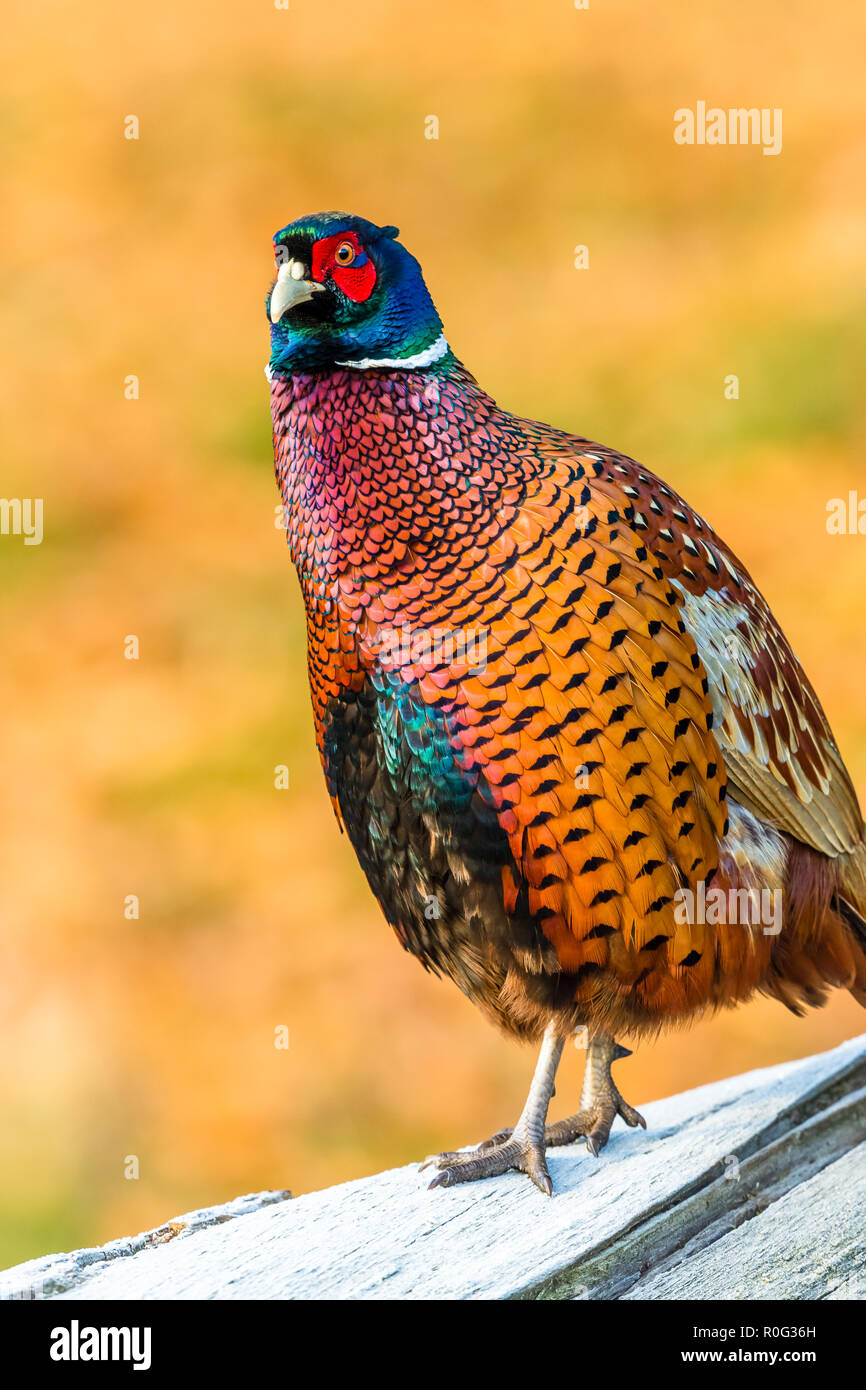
column 356, row 279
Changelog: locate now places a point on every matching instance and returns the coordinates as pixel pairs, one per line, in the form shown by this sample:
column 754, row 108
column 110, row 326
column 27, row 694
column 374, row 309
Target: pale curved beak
column 292, row 288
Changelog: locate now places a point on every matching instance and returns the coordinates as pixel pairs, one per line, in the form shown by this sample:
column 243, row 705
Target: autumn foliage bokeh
column 155, row 1037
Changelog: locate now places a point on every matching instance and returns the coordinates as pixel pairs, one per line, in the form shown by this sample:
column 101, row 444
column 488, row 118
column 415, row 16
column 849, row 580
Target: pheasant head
column 347, row 294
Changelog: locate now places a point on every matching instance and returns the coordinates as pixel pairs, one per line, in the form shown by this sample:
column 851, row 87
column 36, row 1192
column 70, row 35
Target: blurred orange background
column 155, row 1037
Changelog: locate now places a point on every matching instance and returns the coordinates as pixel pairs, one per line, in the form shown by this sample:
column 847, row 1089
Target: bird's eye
column 345, row 253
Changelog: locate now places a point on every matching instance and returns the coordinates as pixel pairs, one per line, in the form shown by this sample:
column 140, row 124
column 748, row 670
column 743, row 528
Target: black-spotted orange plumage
column 582, row 770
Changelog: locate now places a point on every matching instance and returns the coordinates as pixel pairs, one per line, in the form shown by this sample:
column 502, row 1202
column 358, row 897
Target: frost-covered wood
column 752, row 1187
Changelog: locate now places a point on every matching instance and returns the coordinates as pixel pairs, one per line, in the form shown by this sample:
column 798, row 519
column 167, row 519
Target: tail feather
column 850, row 904
column 825, row 941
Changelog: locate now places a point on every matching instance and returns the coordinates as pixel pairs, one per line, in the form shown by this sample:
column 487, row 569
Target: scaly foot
column 516, row 1151
column 521, row 1148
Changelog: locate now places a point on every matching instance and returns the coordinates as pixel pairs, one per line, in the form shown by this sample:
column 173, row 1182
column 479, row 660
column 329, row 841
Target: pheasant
column 582, row 770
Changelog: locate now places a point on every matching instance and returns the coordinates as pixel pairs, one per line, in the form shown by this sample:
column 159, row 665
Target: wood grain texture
column 751, row 1187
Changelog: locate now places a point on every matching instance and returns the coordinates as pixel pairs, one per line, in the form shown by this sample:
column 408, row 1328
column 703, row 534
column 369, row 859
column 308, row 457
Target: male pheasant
column 568, row 741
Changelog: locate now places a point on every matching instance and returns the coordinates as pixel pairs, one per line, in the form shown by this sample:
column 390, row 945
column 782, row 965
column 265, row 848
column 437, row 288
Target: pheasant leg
column 600, row 1103
column 522, row 1147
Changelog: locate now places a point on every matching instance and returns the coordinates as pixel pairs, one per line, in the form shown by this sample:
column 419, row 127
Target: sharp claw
column 443, row 1179
column 543, row 1182
column 592, row 1146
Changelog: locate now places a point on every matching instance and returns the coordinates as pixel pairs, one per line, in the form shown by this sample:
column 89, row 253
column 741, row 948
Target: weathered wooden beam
column 752, row 1187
